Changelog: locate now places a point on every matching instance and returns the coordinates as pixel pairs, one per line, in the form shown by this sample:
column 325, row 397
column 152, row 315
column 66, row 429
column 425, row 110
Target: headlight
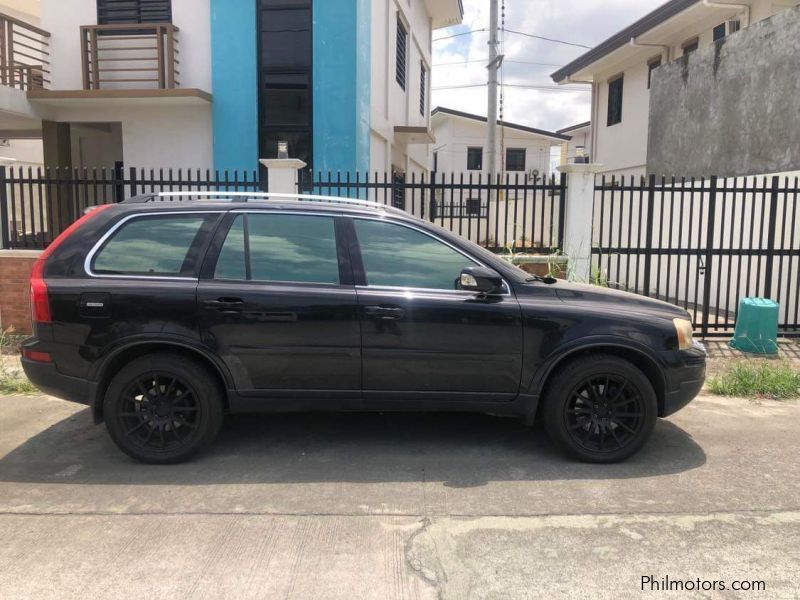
column 684, row 329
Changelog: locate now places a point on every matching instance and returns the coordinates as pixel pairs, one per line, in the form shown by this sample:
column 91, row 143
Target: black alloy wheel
column 163, row 408
column 600, row 408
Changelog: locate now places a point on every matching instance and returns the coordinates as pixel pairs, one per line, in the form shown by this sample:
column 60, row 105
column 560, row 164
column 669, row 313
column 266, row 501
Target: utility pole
column 494, row 64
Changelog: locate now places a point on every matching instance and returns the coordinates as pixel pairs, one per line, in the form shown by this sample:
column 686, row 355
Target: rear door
column 277, row 302
column 421, row 337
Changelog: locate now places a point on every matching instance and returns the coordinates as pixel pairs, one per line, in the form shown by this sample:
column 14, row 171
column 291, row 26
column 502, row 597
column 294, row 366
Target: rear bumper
column 46, row 377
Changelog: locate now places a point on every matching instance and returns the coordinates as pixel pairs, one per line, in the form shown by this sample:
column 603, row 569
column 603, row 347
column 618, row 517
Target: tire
column 163, row 408
column 600, row 409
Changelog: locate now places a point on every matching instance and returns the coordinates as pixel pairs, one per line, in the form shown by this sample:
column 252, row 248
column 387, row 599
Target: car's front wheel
column 163, row 408
column 600, row 409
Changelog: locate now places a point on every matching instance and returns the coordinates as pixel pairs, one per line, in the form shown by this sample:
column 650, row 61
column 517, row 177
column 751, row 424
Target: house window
column 615, row 100
column 423, row 75
column 285, row 62
column 720, row 31
column 652, row 66
column 734, row 26
column 474, row 159
column 117, row 12
column 690, row 46
column 402, row 51
column 474, row 207
column 515, row 159
column 435, row 161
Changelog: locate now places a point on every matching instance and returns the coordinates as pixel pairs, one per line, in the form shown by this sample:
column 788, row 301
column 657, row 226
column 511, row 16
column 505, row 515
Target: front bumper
column 46, row 377
column 686, row 376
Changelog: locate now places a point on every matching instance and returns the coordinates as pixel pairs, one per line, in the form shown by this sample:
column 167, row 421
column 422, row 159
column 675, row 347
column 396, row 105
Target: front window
column 275, row 247
column 423, row 76
column 690, row 46
column 615, row 87
column 398, row 256
column 515, row 159
column 401, row 53
column 474, row 159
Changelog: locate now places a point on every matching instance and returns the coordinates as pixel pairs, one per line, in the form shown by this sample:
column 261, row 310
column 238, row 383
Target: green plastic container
column 757, row 326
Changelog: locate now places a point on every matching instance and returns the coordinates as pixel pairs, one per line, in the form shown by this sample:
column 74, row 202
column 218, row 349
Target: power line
column 550, row 88
column 530, row 35
column 506, row 60
column 547, row 39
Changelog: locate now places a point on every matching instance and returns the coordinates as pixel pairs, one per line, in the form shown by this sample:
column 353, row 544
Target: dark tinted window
column 286, row 57
column 690, row 46
column 474, row 159
column 652, row 66
column 133, row 11
column 151, row 246
column 515, row 159
column 720, row 31
column 398, row 256
column 615, row 100
column 296, row 248
column 423, row 77
column 401, row 53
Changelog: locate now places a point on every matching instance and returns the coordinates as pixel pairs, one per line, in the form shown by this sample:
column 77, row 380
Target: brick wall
column 15, row 270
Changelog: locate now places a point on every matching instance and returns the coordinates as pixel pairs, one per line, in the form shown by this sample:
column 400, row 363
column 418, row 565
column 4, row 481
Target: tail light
column 40, row 301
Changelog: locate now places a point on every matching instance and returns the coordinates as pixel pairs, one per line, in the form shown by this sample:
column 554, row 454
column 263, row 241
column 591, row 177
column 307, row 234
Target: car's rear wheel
column 163, row 408
column 600, row 409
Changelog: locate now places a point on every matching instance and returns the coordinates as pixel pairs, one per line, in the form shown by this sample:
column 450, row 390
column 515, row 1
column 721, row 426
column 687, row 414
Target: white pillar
column 282, row 174
column 579, row 219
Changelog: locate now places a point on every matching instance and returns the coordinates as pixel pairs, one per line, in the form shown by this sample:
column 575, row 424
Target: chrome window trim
column 87, row 263
column 438, row 239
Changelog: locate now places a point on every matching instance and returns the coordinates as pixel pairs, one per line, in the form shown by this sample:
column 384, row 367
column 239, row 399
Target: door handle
column 225, row 305
column 385, row 313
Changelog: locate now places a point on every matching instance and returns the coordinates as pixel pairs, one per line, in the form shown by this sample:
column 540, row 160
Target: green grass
column 779, row 381
column 15, row 384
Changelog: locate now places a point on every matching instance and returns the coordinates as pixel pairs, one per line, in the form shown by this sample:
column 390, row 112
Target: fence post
column 133, row 181
column 773, row 223
column 4, row 237
column 578, row 218
column 648, row 240
column 282, row 174
column 709, row 254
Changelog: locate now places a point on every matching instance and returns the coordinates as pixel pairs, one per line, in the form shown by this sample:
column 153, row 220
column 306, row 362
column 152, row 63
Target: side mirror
column 481, row 280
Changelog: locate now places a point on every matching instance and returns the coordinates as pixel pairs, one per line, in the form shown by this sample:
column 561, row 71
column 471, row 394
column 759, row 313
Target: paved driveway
column 398, row 506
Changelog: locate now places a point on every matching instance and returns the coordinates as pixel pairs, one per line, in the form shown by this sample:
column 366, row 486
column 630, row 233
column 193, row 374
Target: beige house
column 579, row 147
column 621, row 70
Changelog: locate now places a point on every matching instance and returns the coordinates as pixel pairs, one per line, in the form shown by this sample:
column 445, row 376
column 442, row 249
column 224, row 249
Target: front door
column 421, row 337
column 277, row 302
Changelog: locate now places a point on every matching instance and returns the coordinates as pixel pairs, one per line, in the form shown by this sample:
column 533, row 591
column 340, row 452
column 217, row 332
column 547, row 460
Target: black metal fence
column 505, row 214
column 37, row 204
column 702, row 244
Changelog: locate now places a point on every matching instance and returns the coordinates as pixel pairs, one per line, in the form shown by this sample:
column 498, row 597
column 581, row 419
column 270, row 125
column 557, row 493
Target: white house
column 523, row 157
column 621, row 68
column 579, row 147
column 217, row 83
column 460, row 146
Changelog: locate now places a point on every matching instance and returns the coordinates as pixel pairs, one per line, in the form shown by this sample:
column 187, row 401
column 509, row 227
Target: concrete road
column 399, row 506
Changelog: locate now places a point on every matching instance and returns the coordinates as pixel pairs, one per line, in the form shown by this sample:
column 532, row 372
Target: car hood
column 605, row 298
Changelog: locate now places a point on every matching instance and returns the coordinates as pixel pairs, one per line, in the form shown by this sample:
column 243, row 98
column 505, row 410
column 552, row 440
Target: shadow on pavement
column 461, row 450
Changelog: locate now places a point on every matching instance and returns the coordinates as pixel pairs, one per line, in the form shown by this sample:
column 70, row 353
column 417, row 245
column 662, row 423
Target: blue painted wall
column 341, row 88
column 234, row 82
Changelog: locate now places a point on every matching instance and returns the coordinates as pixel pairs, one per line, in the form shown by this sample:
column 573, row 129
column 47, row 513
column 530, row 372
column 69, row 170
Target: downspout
column 664, row 48
column 740, row 5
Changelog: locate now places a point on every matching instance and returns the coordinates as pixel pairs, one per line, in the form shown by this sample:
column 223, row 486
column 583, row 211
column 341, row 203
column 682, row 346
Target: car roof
column 224, row 201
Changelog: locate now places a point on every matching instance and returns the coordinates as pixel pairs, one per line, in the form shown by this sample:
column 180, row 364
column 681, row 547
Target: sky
column 586, row 22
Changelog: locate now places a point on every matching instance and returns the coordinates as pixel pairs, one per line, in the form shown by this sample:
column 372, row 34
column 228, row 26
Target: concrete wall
column 732, row 107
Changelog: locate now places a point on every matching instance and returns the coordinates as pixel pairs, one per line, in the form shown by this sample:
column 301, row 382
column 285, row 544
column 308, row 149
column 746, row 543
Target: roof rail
column 236, row 196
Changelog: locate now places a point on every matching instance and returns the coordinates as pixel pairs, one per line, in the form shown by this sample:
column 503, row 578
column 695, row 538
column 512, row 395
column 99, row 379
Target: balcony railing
column 24, row 54
column 142, row 55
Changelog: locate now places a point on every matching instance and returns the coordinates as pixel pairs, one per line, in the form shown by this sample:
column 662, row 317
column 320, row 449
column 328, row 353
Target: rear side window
column 274, row 247
column 398, row 256
column 154, row 245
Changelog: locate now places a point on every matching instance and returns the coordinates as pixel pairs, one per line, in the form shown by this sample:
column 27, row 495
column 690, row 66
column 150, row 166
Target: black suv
column 163, row 315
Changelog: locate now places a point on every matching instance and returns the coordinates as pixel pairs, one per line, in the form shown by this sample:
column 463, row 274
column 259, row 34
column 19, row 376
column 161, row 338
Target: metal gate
column 702, row 244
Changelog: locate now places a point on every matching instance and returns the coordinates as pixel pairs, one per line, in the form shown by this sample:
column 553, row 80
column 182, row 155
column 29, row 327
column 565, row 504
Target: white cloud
column 586, row 22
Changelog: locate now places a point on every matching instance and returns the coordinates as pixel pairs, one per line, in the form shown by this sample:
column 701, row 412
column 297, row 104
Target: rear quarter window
column 157, row 245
